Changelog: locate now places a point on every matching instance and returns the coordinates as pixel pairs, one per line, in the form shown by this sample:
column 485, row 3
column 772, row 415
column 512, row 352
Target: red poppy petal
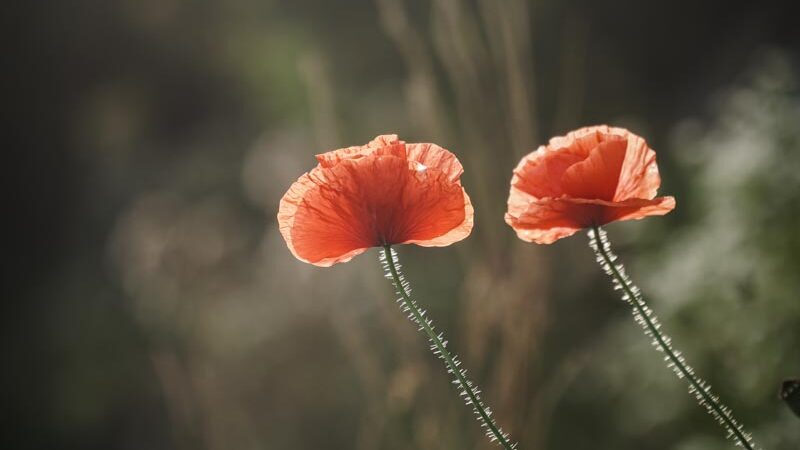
column 465, row 213
column 638, row 208
column 639, row 176
column 432, row 210
column 383, row 140
column 547, row 220
column 582, row 140
column 387, row 144
column 550, row 219
column 539, row 174
column 320, row 228
column 594, row 175
column 333, row 214
column 597, row 176
column 431, row 155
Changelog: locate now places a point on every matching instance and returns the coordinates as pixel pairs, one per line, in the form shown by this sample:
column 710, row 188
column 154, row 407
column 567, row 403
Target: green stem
column 439, row 347
column 644, row 314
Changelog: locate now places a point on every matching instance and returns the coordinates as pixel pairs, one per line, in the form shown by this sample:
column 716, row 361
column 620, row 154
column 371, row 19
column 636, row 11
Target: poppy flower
column 591, row 176
column 383, row 193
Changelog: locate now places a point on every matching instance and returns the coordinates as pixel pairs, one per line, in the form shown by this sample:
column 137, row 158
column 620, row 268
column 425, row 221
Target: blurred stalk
column 179, row 399
column 424, row 102
column 353, row 339
column 370, row 374
column 320, row 99
column 572, row 70
column 507, row 23
column 487, row 57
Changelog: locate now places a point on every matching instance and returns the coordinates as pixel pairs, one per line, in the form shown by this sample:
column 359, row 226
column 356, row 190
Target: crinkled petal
column 597, row 176
column 539, row 173
column 433, row 156
column 594, row 175
column 639, row 176
column 335, row 213
column 387, row 144
column 318, row 227
column 583, row 140
column 550, row 219
column 637, row 208
column 547, row 220
column 431, row 209
column 456, row 234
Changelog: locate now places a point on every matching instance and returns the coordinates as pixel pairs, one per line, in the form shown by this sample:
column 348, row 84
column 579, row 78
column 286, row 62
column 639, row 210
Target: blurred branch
column 371, row 376
column 320, row 98
column 507, row 314
column 575, row 43
column 424, row 102
column 179, row 398
column 507, row 23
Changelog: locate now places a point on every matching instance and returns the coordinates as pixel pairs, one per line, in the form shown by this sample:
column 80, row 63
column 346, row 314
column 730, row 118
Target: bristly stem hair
column 468, row 391
column 644, row 316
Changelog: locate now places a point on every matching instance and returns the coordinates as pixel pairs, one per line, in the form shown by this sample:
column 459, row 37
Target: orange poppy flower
column 385, row 192
column 591, row 176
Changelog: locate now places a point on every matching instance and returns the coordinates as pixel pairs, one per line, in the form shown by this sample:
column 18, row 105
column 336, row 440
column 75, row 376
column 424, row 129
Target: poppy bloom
column 590, row 177
column 376, row 195
column 586, row 179
column 383, row 193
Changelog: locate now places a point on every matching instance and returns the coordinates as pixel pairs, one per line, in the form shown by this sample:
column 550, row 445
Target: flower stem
column 468, row 391
column 701, row 390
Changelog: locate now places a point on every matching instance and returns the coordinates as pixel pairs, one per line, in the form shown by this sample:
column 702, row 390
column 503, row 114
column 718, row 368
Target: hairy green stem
column 469, row 391
column 651, row 325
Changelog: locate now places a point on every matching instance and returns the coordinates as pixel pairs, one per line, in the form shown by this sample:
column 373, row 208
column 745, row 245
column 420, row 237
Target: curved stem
column 469, row 391
column 649, row 322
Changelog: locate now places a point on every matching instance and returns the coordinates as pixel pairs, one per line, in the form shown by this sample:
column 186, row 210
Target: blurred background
column 151, row 302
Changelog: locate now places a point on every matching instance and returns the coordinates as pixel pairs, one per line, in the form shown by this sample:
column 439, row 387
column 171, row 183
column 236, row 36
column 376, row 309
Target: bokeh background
column 151, row 302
